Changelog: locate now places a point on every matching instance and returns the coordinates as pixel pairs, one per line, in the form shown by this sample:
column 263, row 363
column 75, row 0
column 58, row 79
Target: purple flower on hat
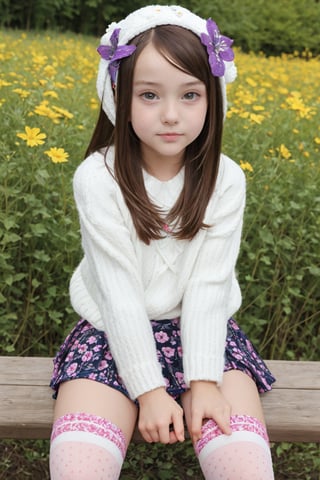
column 218, row 48
column 114, row 53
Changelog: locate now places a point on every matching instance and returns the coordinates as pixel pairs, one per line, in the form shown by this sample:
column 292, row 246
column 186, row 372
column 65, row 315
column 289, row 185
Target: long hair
column 183, row 49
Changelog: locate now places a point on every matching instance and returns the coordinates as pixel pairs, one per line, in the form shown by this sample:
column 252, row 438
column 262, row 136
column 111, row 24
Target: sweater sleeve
column 212, row 294
column 110, row 255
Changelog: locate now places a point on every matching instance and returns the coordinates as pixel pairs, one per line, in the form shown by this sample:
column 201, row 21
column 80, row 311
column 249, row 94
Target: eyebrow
column 156, row 84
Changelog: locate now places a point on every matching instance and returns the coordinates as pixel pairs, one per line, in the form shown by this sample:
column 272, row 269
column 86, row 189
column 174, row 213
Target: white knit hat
column 149, row 17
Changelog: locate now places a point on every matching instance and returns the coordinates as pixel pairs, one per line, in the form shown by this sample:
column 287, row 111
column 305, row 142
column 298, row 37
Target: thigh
column 88, row 396
column 241, row 393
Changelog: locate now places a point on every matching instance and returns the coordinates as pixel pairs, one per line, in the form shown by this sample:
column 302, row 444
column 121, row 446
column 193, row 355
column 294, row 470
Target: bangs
column 182, row 49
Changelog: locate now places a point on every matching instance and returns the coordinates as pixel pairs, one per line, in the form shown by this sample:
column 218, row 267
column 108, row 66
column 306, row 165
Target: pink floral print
column 86, row 354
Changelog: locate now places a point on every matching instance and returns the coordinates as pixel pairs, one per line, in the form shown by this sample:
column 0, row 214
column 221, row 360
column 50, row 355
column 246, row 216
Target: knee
column 86, row 446
column 243, row 454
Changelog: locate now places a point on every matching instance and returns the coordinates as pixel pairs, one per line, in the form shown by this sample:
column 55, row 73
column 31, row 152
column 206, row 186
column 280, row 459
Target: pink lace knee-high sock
column 243, row 455
column 86, row 447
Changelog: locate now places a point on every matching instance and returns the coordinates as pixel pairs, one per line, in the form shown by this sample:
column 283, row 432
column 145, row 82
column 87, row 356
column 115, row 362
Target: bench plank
column 26, row 405
column 292, row 415
column 25, row 412
column 295, row 374
column 25, row 370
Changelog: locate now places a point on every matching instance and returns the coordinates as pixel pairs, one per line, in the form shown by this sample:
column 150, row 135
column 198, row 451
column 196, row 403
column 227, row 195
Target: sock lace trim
column 83, row 422
column 210, row 429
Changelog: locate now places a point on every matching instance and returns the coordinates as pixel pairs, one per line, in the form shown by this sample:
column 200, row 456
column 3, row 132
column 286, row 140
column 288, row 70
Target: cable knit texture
column 122, row 283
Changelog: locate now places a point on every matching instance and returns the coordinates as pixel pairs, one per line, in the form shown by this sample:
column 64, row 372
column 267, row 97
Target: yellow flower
column 258, row 108
column 251, row 82
column 57, row 155
column 63, row 112
column 59, row 85
column 284, row 152
column 3, row 83
column 33, row 137
column 50, row 93
column 21, row 92
column 39, row 59
column 317, row 140
column 246, row 166
column 94, row 103
column 256, row 118
column 283, row 90
column 294, row 102
column 45, row 111
column 50, row 71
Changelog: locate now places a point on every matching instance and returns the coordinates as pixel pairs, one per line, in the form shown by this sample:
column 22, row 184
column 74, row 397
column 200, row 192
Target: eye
column 149, row 96
column 191, row 96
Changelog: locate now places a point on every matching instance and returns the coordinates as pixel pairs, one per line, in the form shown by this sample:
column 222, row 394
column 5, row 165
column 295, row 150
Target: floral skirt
column 86, row 354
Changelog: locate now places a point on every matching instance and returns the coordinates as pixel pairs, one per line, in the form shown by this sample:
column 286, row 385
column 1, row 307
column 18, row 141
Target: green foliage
column 288, row 459
column 256, row 25
column 39, row 238
column 279, row 262
column 39, row 245
column 23, row 460
column 271, row 27
column 279, row 268
column 37, row 242
column 163, row 462
column 29, row 459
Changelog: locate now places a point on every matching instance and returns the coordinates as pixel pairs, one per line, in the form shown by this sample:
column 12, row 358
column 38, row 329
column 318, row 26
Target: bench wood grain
column 292, row 408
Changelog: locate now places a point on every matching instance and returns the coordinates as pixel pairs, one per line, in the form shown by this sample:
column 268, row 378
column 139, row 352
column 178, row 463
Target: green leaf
column 10, row 237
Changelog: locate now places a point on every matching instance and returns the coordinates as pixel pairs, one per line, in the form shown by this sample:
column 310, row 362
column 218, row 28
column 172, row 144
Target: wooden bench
column 292, row 408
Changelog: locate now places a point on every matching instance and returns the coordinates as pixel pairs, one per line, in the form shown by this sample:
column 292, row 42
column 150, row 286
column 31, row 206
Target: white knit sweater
column 122, row 283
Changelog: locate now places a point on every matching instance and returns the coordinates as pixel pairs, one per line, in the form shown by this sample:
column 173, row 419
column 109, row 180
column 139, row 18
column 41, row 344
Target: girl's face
column 168, row 112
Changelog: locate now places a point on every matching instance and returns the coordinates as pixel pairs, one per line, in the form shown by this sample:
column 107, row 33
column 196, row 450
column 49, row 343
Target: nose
column 170, row 114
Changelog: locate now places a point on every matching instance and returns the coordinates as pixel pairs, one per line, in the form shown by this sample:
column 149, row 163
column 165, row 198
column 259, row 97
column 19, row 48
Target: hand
column 208, row 402
column 159, row 411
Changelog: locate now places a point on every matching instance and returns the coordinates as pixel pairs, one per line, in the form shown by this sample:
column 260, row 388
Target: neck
column 163, row 169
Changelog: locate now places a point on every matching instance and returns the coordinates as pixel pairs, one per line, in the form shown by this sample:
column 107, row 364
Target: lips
column 170, row 136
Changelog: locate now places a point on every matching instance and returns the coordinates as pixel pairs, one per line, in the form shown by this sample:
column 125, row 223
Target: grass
column 29, row 459
column 47, row 82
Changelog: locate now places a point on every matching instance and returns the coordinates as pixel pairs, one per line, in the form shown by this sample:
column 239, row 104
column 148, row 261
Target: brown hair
column 184, row 50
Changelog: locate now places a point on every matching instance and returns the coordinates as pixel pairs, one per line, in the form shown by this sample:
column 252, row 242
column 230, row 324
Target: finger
column 196, row 423
column 178, row 427
column 146, row 436
column 172, row 437
column 164, row 434
column 223, row 422
column 149, row 435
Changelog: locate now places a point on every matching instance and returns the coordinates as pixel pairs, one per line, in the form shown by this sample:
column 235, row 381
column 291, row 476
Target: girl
column 161, row 213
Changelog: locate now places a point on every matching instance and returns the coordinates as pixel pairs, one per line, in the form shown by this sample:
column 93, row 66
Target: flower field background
column 48, row 108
